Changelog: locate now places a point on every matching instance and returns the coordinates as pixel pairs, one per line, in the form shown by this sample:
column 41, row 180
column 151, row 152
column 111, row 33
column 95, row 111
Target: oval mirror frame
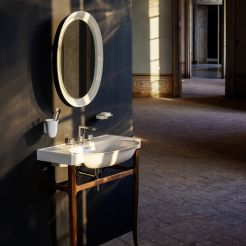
column 98, row 44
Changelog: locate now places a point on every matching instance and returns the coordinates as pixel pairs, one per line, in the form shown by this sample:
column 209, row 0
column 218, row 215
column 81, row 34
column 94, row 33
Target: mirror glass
column 78, row 59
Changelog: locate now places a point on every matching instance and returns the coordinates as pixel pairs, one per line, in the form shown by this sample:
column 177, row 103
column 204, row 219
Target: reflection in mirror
column 78, row 59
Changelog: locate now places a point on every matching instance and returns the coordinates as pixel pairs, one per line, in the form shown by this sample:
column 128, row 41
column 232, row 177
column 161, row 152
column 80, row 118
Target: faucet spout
column 82, row 133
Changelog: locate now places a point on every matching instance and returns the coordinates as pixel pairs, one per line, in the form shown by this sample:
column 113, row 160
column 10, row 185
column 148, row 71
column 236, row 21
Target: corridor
column 206, row 71
column 192, row 168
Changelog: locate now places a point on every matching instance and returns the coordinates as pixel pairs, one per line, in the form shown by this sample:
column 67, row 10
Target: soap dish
column 103, row 115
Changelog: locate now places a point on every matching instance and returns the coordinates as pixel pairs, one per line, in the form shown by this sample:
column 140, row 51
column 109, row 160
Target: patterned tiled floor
column 193, row 169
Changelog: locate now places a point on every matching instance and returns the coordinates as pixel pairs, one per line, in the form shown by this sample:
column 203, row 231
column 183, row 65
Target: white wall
column 141, row 36
column 155, row 33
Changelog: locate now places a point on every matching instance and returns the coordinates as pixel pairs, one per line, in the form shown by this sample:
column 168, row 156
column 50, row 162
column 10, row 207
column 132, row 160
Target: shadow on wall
column 40, row 64
column 27, row 207
column 22, row 65
column 114, row 18
column 25, row 91
column 109, row 15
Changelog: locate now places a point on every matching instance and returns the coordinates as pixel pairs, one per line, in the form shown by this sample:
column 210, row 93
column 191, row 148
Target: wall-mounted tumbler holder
column 51, row 127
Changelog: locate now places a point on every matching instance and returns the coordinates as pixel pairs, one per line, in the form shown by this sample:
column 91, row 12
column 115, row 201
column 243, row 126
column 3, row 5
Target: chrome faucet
column 82, row 133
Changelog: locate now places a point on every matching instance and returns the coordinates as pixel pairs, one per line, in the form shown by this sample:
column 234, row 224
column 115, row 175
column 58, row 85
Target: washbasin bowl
column 106, row 153
column 103, row 151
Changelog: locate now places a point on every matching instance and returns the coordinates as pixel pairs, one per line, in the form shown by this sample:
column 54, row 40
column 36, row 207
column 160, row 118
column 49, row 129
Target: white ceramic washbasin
column 104, row 151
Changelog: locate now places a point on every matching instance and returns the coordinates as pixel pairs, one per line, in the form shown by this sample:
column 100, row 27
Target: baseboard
column 146, row 85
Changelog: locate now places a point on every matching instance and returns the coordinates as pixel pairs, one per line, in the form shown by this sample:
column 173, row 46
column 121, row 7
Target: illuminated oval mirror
column 79, row 57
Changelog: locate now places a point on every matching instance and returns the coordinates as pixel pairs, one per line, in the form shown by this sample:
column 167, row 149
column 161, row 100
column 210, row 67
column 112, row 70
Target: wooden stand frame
column 72, row 188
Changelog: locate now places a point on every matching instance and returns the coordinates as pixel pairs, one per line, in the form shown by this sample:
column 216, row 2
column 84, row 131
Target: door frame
column 188, row 38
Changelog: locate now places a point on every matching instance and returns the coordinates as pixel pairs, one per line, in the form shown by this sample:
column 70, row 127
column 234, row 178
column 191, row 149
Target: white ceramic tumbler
column 51, row 127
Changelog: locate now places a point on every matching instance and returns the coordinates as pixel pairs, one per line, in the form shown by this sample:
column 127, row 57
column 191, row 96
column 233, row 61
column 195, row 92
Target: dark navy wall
column 31, row 213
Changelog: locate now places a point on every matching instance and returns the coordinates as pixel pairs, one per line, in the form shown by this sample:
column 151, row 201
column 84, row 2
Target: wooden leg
column 72, row 193
column 135, row 199
column 73, row 189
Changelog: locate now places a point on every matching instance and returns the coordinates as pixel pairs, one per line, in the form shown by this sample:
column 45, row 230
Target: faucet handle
column 90, row 137
column 69, row 141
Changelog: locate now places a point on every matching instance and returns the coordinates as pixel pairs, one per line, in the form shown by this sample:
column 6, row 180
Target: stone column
column 201, row 35
column 176, row 49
